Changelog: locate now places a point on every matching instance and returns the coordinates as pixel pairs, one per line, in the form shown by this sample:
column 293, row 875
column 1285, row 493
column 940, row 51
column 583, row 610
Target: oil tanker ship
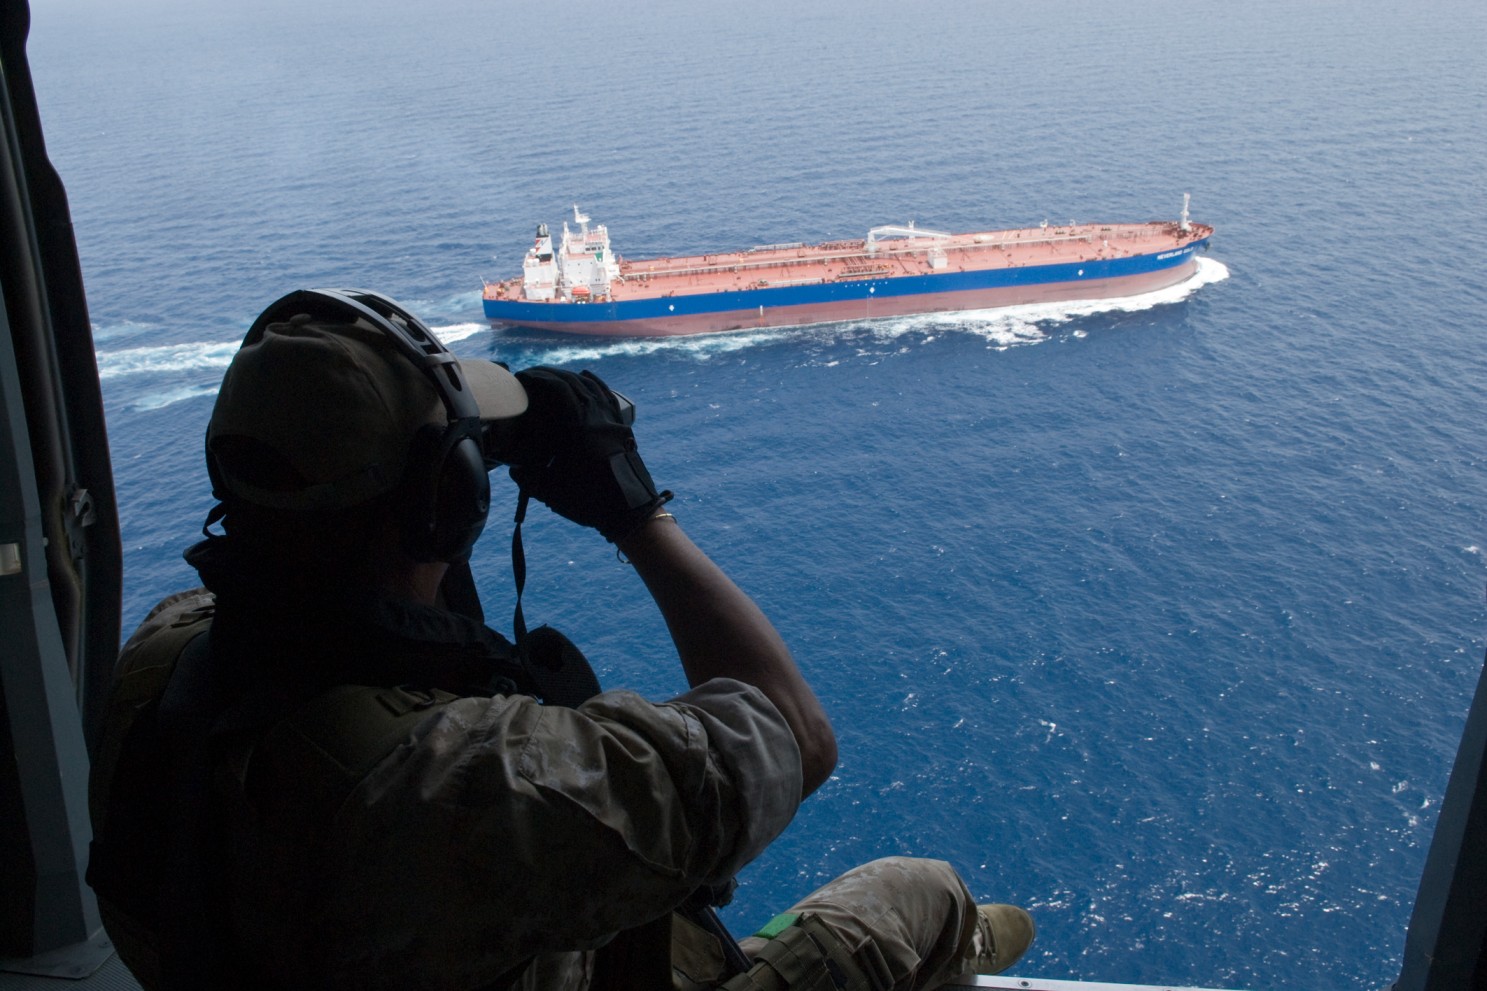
column 583, row 288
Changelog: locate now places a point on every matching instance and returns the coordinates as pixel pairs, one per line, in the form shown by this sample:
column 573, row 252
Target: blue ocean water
column 1159, row 617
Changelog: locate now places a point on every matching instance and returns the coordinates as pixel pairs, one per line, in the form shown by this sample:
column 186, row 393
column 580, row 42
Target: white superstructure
column 581, row 269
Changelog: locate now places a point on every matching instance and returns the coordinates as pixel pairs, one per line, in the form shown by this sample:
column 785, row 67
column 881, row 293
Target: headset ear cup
column 214, row 474
column 446, row 495
column 463, row 501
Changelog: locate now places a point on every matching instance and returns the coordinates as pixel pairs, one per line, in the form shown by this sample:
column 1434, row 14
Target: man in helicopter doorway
column 322, row 770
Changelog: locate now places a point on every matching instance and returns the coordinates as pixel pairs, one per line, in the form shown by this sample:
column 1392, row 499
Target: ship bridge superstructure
column 539, row 269
column 581, row 270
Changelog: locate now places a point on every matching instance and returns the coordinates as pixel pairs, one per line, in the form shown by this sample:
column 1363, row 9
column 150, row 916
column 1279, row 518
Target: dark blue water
column 1159, row 618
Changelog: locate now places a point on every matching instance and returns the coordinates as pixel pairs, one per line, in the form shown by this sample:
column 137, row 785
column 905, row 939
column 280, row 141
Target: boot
column 1003, row 934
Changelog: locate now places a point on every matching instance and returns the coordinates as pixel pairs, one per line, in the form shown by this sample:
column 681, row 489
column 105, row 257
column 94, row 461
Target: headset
column 444, row 496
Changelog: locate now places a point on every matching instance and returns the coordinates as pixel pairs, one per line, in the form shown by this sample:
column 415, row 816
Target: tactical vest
column 167, row 754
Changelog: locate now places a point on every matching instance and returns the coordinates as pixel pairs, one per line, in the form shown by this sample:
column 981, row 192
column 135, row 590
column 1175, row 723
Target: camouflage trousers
column 899, row 923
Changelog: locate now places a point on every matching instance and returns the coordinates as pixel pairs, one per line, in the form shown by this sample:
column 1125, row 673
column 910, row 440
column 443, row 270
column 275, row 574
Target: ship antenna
column 1185, row 225
column 581, row 219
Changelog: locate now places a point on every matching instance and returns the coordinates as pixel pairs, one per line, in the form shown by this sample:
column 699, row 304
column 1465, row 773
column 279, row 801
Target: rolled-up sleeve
column 505, row 828
column 760, row 758
column 739, row 759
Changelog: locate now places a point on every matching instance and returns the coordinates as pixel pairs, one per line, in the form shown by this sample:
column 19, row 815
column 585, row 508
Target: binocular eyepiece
column 627, row 408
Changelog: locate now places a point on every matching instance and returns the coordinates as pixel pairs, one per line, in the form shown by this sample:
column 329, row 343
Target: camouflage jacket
column 462, row 835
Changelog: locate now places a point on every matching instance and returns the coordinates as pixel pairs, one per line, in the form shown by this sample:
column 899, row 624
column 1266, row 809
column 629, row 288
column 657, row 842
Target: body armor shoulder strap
column 323, row 750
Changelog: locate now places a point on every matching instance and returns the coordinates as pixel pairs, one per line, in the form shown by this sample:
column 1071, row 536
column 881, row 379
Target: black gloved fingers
column 602, row 394
column 555, row 414
column 567, row 412
column 578, row 456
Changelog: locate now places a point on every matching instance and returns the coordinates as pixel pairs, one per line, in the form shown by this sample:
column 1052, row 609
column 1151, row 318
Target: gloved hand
column 576, row 454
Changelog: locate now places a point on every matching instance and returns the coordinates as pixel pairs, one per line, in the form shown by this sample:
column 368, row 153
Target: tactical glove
column 577, row 455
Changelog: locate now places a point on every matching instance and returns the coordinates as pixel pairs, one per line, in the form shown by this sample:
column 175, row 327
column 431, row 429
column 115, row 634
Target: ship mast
column 1184, row 222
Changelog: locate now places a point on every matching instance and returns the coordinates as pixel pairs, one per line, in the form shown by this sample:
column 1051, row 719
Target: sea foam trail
column 459, row 331
column 163, row 359
column 199, row 355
